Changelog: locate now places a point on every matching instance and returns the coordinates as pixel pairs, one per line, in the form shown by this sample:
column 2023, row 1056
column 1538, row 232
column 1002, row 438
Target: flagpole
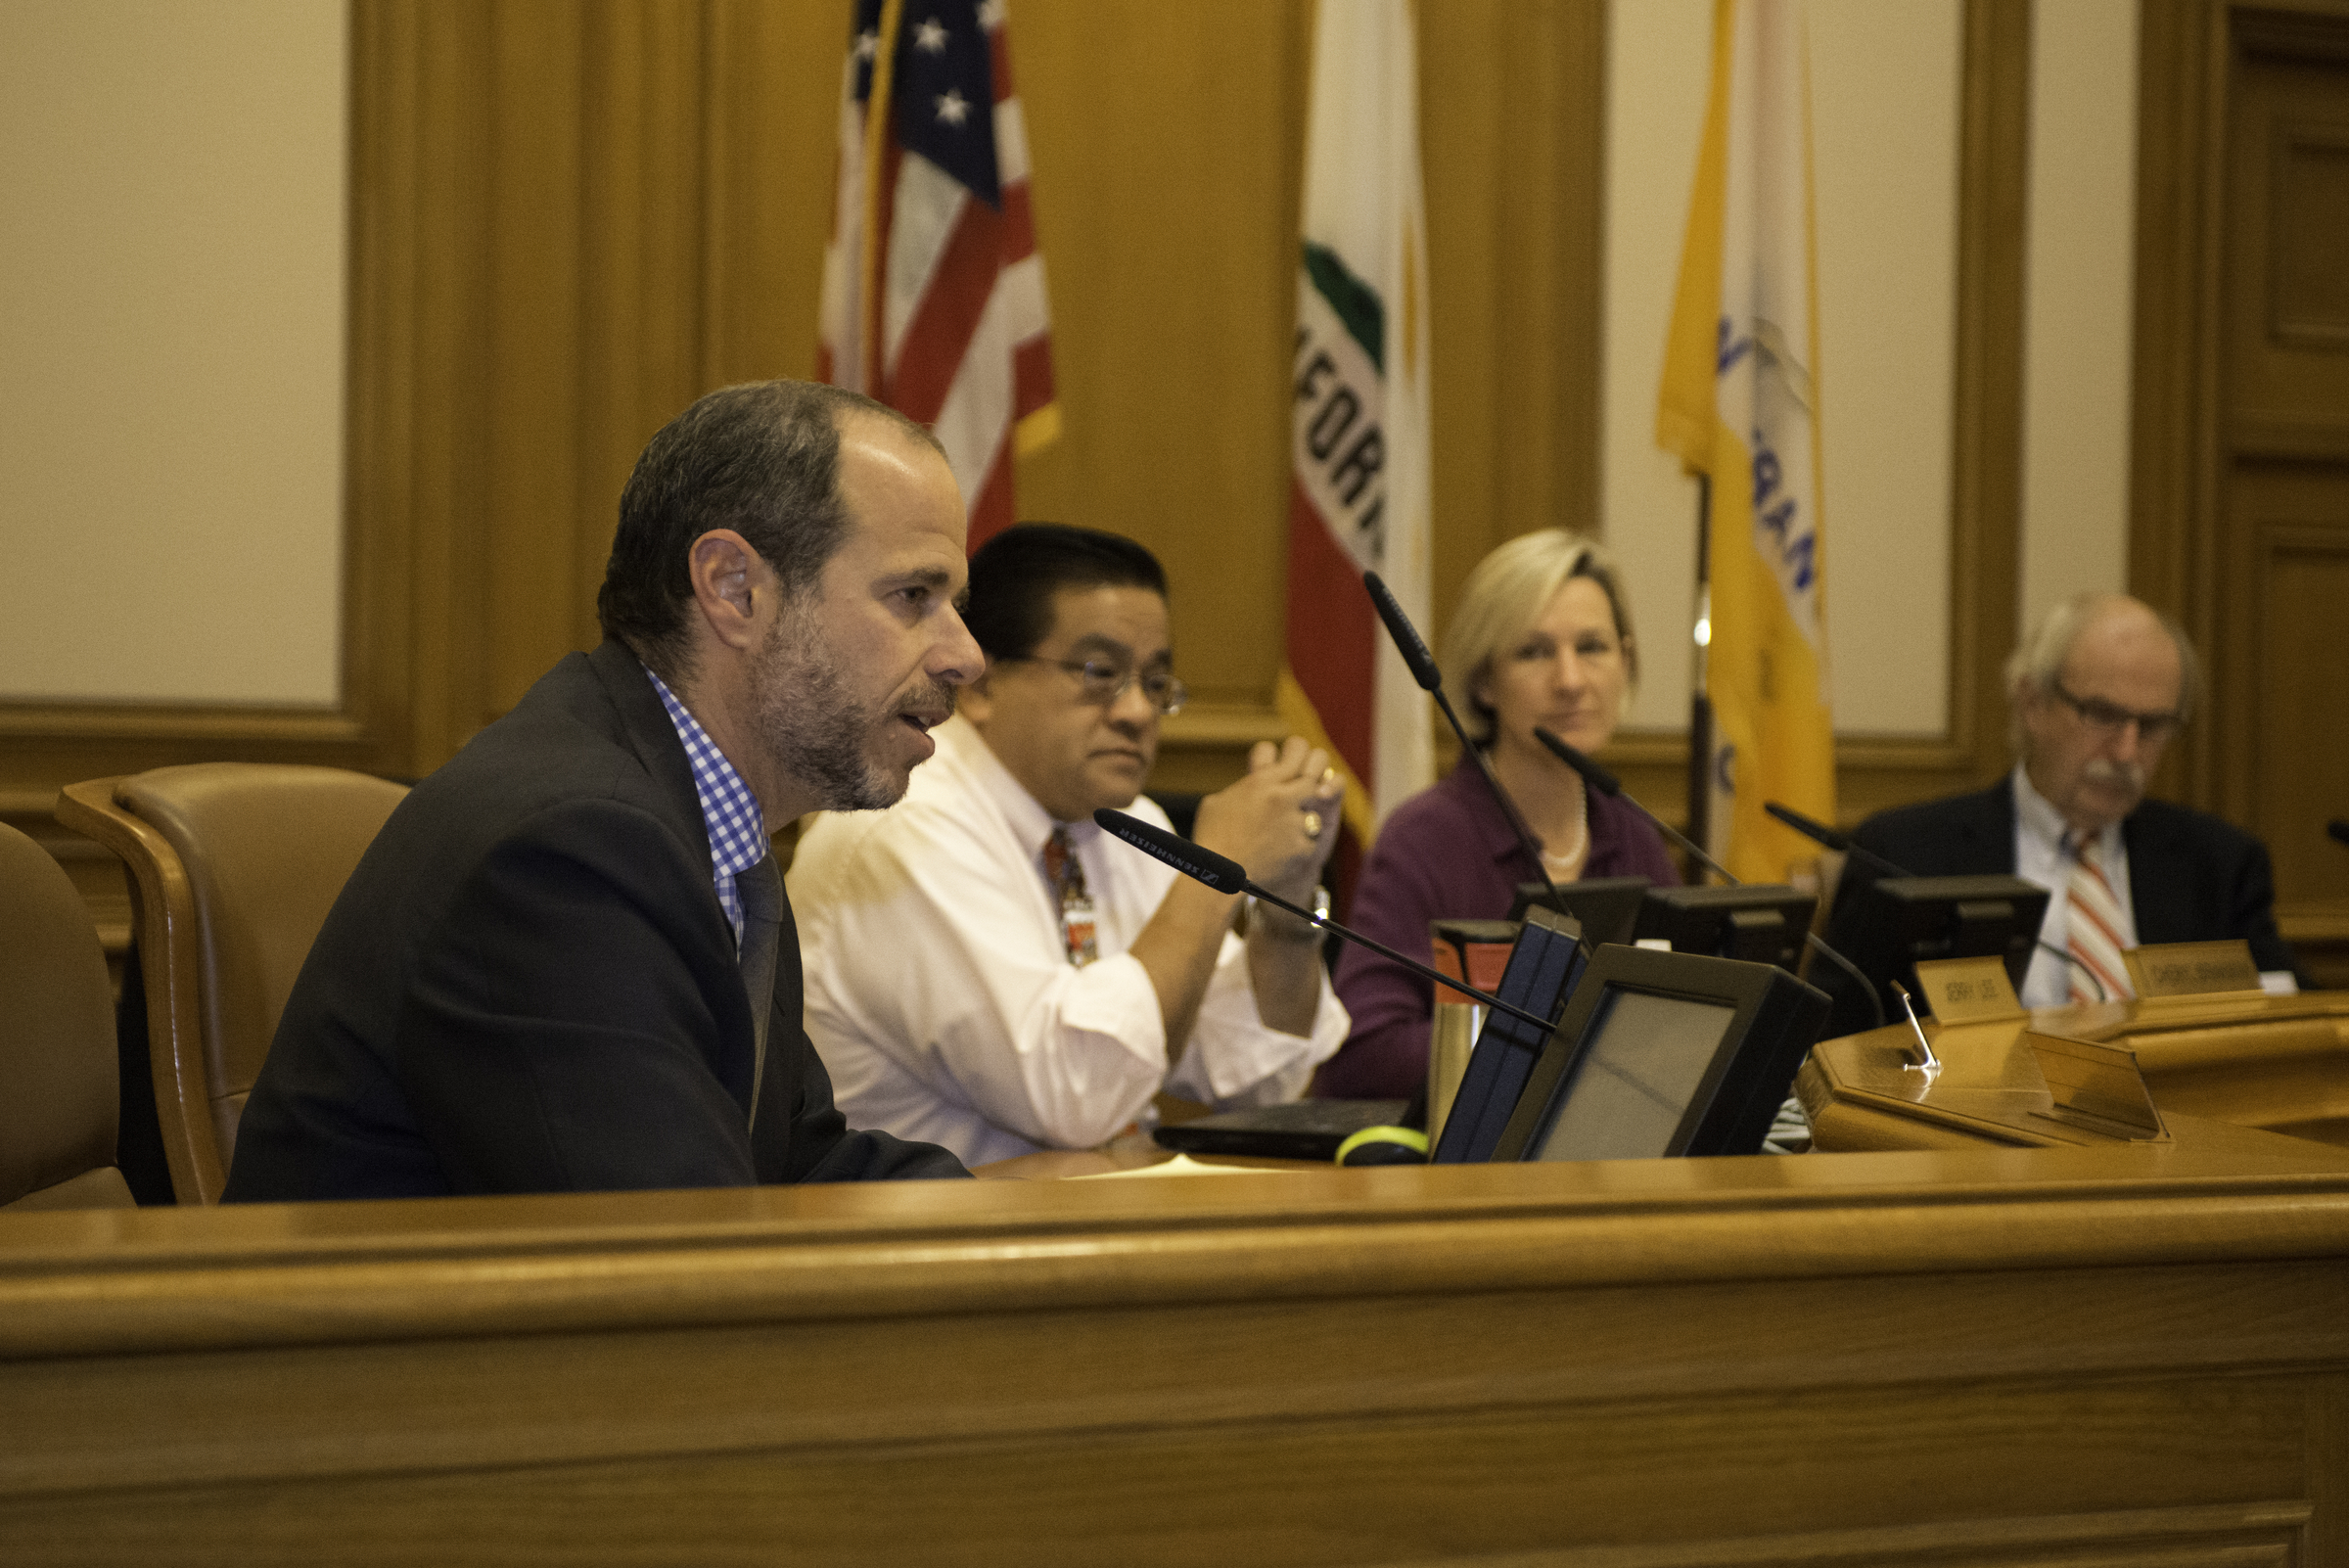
column 1700, row 703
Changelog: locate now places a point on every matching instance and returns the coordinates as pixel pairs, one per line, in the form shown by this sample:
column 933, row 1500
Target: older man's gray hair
column 2035, row 667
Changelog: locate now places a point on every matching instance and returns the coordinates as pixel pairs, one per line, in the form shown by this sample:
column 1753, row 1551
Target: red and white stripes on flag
column 1359, row 474
column 934, row 292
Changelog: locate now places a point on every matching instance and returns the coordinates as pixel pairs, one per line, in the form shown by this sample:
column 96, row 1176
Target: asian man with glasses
column 982, row 964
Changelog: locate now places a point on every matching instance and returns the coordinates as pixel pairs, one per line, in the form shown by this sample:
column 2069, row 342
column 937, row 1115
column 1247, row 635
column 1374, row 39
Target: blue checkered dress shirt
column 729, row 810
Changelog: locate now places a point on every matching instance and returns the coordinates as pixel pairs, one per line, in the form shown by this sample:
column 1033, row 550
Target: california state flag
column 1358, row 499
column 1740, row 403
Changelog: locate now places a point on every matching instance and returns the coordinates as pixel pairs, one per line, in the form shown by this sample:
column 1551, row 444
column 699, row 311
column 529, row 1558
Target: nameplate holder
column 2192, row 968
column 1968, row 991
column 2096, row 1088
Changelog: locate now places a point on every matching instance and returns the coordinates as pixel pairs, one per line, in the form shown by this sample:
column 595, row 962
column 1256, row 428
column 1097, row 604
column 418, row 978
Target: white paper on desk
column 1182, row 1165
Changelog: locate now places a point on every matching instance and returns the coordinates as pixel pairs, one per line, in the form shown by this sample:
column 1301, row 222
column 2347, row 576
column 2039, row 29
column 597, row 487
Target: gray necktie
column 761, row 890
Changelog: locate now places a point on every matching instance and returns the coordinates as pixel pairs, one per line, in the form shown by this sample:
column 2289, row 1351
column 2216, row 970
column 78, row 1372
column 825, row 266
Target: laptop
column 1303, row 1130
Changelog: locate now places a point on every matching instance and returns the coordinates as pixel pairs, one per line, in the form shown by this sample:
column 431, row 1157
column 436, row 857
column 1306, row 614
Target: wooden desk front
column 2116, row 1355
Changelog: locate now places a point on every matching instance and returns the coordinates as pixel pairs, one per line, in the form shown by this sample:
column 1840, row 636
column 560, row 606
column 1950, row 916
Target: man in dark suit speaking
column 567, row 963
column 2097, row 690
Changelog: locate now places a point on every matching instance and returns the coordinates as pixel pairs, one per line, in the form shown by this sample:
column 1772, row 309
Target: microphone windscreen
column 1818, row 832
column 1598, row 777
column 2338, row 828
column 1406, row 636
column 1222, row 874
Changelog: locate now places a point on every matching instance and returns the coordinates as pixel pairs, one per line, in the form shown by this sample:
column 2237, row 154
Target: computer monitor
column 1664, row 1054
column 1544, row 967
column 1885, row 926
column 1760, row 924
column 1607, row 907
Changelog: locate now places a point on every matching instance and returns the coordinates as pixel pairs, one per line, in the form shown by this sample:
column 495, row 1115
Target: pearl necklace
column 1581, row 837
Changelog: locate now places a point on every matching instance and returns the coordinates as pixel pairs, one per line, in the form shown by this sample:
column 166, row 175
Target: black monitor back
column 1543, row 970
column 1763, row 924
column 1896, row 921
column 1664, row 1054
column 1607, row 907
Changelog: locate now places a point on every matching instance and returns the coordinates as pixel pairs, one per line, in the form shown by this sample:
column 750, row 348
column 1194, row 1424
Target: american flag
column 934, row 292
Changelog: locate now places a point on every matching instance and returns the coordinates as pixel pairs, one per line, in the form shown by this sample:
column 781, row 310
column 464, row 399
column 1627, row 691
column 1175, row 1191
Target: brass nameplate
column 2096, row 1086
column 2191, row 968
column 1968, row 991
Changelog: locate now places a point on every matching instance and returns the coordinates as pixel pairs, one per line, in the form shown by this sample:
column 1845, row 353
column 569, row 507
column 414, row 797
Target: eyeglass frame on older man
column 2110, row 718
column 1104, row 682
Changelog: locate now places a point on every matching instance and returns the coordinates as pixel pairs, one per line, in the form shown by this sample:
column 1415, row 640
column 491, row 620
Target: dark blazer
column 2191, row 876
column 528, row 986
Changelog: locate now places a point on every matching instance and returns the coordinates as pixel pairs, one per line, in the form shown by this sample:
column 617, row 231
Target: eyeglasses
column 1104, row 682
column 2110, row 718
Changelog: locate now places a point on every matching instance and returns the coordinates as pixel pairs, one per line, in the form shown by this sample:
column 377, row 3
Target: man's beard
column 815, row 730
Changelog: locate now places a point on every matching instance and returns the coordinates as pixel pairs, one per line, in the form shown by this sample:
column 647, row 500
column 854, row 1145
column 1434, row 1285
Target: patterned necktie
column 2094, row 921
column 1067, row 878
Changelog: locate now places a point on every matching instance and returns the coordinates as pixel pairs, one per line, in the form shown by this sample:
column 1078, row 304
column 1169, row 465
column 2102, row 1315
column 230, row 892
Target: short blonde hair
column 1505, row 595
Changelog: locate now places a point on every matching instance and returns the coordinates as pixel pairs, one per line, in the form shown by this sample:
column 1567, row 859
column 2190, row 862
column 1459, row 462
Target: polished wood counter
column 2088, row 1354
column 2271, row 1064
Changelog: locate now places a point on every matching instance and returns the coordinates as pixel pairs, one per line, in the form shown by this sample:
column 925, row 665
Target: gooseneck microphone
column 1227, row 875
column 1829, row 838
column 1820, row 833
column 1407, row 643
column 1607, row 784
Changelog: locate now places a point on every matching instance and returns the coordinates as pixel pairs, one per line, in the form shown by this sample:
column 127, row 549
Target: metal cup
column 1451, row 1038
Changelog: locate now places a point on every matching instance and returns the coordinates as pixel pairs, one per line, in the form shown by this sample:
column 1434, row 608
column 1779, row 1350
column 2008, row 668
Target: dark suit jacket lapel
column 1989, row 821
column 643, row 726
column 2161, row 877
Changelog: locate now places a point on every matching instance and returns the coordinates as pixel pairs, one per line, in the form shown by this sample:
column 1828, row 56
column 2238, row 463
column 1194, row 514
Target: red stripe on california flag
column 948, row 316
column 991, row 508
column 1332, row 637
column 1031, row 375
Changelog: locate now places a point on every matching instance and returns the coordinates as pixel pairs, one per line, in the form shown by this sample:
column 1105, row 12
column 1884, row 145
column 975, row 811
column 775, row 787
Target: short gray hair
column 1505, row 595
column 2035, row 664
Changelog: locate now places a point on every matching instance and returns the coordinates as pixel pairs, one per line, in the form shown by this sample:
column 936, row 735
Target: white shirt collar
column 965, row 750
column 2039, row 820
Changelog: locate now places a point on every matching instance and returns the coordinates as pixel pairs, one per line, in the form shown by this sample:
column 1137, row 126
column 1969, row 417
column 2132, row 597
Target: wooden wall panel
column 2240, row 493
column 569, row 219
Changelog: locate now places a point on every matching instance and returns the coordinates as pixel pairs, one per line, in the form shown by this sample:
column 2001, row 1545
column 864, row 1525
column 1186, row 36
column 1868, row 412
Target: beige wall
column 172, row 267
column 1884, row 124
column 188, row 264
column 2076, row 346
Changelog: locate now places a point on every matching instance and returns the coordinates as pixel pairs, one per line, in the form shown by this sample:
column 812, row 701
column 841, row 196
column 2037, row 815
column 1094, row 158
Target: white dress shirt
column 942, row 997
column 2043, row 856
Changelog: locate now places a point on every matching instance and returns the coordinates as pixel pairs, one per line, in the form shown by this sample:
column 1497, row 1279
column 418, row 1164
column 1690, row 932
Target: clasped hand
column 1281, row 820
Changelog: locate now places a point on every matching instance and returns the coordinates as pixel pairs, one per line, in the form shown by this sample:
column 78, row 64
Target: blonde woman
column 1541, row 638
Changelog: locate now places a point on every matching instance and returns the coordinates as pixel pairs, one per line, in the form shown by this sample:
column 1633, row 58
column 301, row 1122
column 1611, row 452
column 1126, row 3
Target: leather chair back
column 58, row 1091
column 234, row 867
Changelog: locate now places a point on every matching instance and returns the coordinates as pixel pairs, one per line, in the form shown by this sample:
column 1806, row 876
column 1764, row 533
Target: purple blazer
column 1446, row 853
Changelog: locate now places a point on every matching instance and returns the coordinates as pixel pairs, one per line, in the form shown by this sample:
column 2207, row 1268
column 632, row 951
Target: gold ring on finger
column 1312, row 824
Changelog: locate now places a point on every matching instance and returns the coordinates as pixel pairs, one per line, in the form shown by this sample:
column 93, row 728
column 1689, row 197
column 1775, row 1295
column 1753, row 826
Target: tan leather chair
column 233, row 866
column 59, row 1091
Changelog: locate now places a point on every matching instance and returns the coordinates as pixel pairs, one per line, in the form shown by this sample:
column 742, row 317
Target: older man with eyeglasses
column 2097, row 691
column 985, row 966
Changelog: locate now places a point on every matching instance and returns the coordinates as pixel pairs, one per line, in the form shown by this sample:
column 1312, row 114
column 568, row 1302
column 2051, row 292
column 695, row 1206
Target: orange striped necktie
column 1066, row 875
column 2093, row 918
